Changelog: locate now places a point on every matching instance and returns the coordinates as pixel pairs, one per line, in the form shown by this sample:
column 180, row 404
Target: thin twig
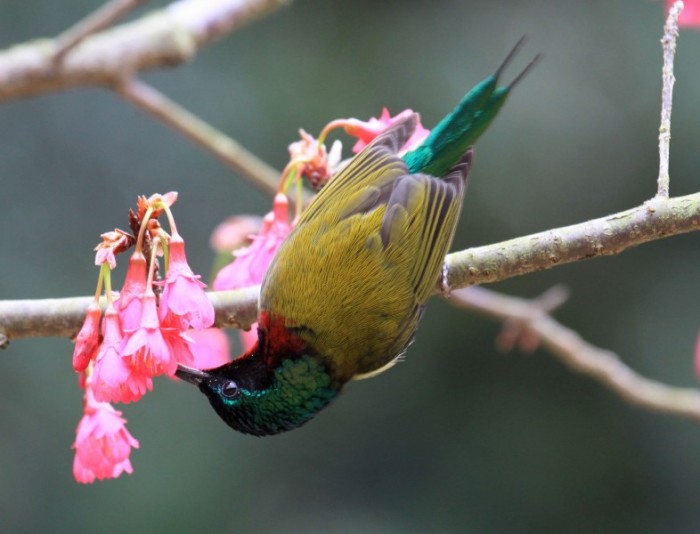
column 98, row 20
column 155, row 103
column 600, row 364
column 516, row 333
column 668, row 43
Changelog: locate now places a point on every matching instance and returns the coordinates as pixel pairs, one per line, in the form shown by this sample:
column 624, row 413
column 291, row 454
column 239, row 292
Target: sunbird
column 344, row 294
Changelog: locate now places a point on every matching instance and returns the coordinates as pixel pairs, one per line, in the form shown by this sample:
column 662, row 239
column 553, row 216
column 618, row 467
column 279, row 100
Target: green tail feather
column 460, row 129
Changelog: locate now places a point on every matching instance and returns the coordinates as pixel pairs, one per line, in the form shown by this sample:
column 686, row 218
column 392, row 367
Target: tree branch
column 164, row 38
column 96, row 21
column 656, row 219
column 668, row 44
column 606, row 236
column 63, row 317
column 227, row 150
column 602, row 365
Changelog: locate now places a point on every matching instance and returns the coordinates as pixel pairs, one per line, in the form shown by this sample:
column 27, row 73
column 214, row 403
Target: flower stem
column 152, row 263
column 142, row 229
column 106, row 276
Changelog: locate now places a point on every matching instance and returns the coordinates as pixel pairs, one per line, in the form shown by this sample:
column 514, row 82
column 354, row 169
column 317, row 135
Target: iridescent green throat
column 254, row 400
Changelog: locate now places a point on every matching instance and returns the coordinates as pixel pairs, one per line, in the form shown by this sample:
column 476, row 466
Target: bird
column 344, row 294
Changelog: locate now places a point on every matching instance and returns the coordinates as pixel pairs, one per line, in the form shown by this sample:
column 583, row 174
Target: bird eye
column 229, row 389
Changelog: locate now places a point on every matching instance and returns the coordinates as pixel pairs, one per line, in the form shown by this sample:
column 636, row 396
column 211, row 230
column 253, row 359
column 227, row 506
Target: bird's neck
column 293, row 393
column 288, row 383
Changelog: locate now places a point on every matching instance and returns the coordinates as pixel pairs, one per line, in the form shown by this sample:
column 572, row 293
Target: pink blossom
column 113, row 379
column 312, row 160
column 367, row 131
column 233, row 232
column 183, row 292
column 105, row 255
column 251, row 263
column 178, row 338
column 129, row 303
column 210, row 347
column 112, row 242
column 156, row 202
column 87, row 339
column 145, row 346
column 690, row 15
column 102, row 443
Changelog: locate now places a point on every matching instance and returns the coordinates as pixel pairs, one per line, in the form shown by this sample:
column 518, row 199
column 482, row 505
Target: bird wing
column 353, row 276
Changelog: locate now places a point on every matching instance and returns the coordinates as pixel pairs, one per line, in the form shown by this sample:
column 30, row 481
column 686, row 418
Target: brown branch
column 602, row 365
column 63, row 317
column 656, row 219
column 164, row 38
column 606, row 236
column 227, row 150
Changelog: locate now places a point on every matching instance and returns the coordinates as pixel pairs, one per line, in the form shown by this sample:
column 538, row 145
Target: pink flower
column 367, row 131
column 210, row 348
column 87, row 339
column 145, row 346
column 129, row 303
column 102, row 443
column 156, row 202
column 690, row 15
column 312, row 160
column 251, row 263
column 183, row 292
column 178, row 338
column 113, row 379
column 233, row 232
column 112, row 242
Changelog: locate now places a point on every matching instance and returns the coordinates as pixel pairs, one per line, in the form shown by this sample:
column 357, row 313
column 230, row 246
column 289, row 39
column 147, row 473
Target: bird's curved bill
column 190, row 374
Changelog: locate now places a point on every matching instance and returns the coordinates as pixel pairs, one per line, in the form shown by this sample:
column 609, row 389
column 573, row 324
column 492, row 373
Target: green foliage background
column 459, row 438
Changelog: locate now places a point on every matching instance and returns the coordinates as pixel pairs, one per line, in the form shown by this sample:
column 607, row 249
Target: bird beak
column 190, row 374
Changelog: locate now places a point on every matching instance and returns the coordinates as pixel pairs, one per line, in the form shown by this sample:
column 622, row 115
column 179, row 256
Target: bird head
column 255, row 398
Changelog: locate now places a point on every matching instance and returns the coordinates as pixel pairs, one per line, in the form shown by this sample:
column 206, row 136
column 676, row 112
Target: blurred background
column 459, row 437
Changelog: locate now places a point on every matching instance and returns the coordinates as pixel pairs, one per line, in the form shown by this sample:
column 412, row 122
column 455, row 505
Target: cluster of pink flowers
column 150, row 326
column 251, row 262
column 139, row 336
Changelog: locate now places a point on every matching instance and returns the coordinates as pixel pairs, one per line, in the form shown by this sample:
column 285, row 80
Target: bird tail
column 449, row 140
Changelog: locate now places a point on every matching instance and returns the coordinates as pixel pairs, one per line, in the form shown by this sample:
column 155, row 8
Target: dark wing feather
column 365, row 181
